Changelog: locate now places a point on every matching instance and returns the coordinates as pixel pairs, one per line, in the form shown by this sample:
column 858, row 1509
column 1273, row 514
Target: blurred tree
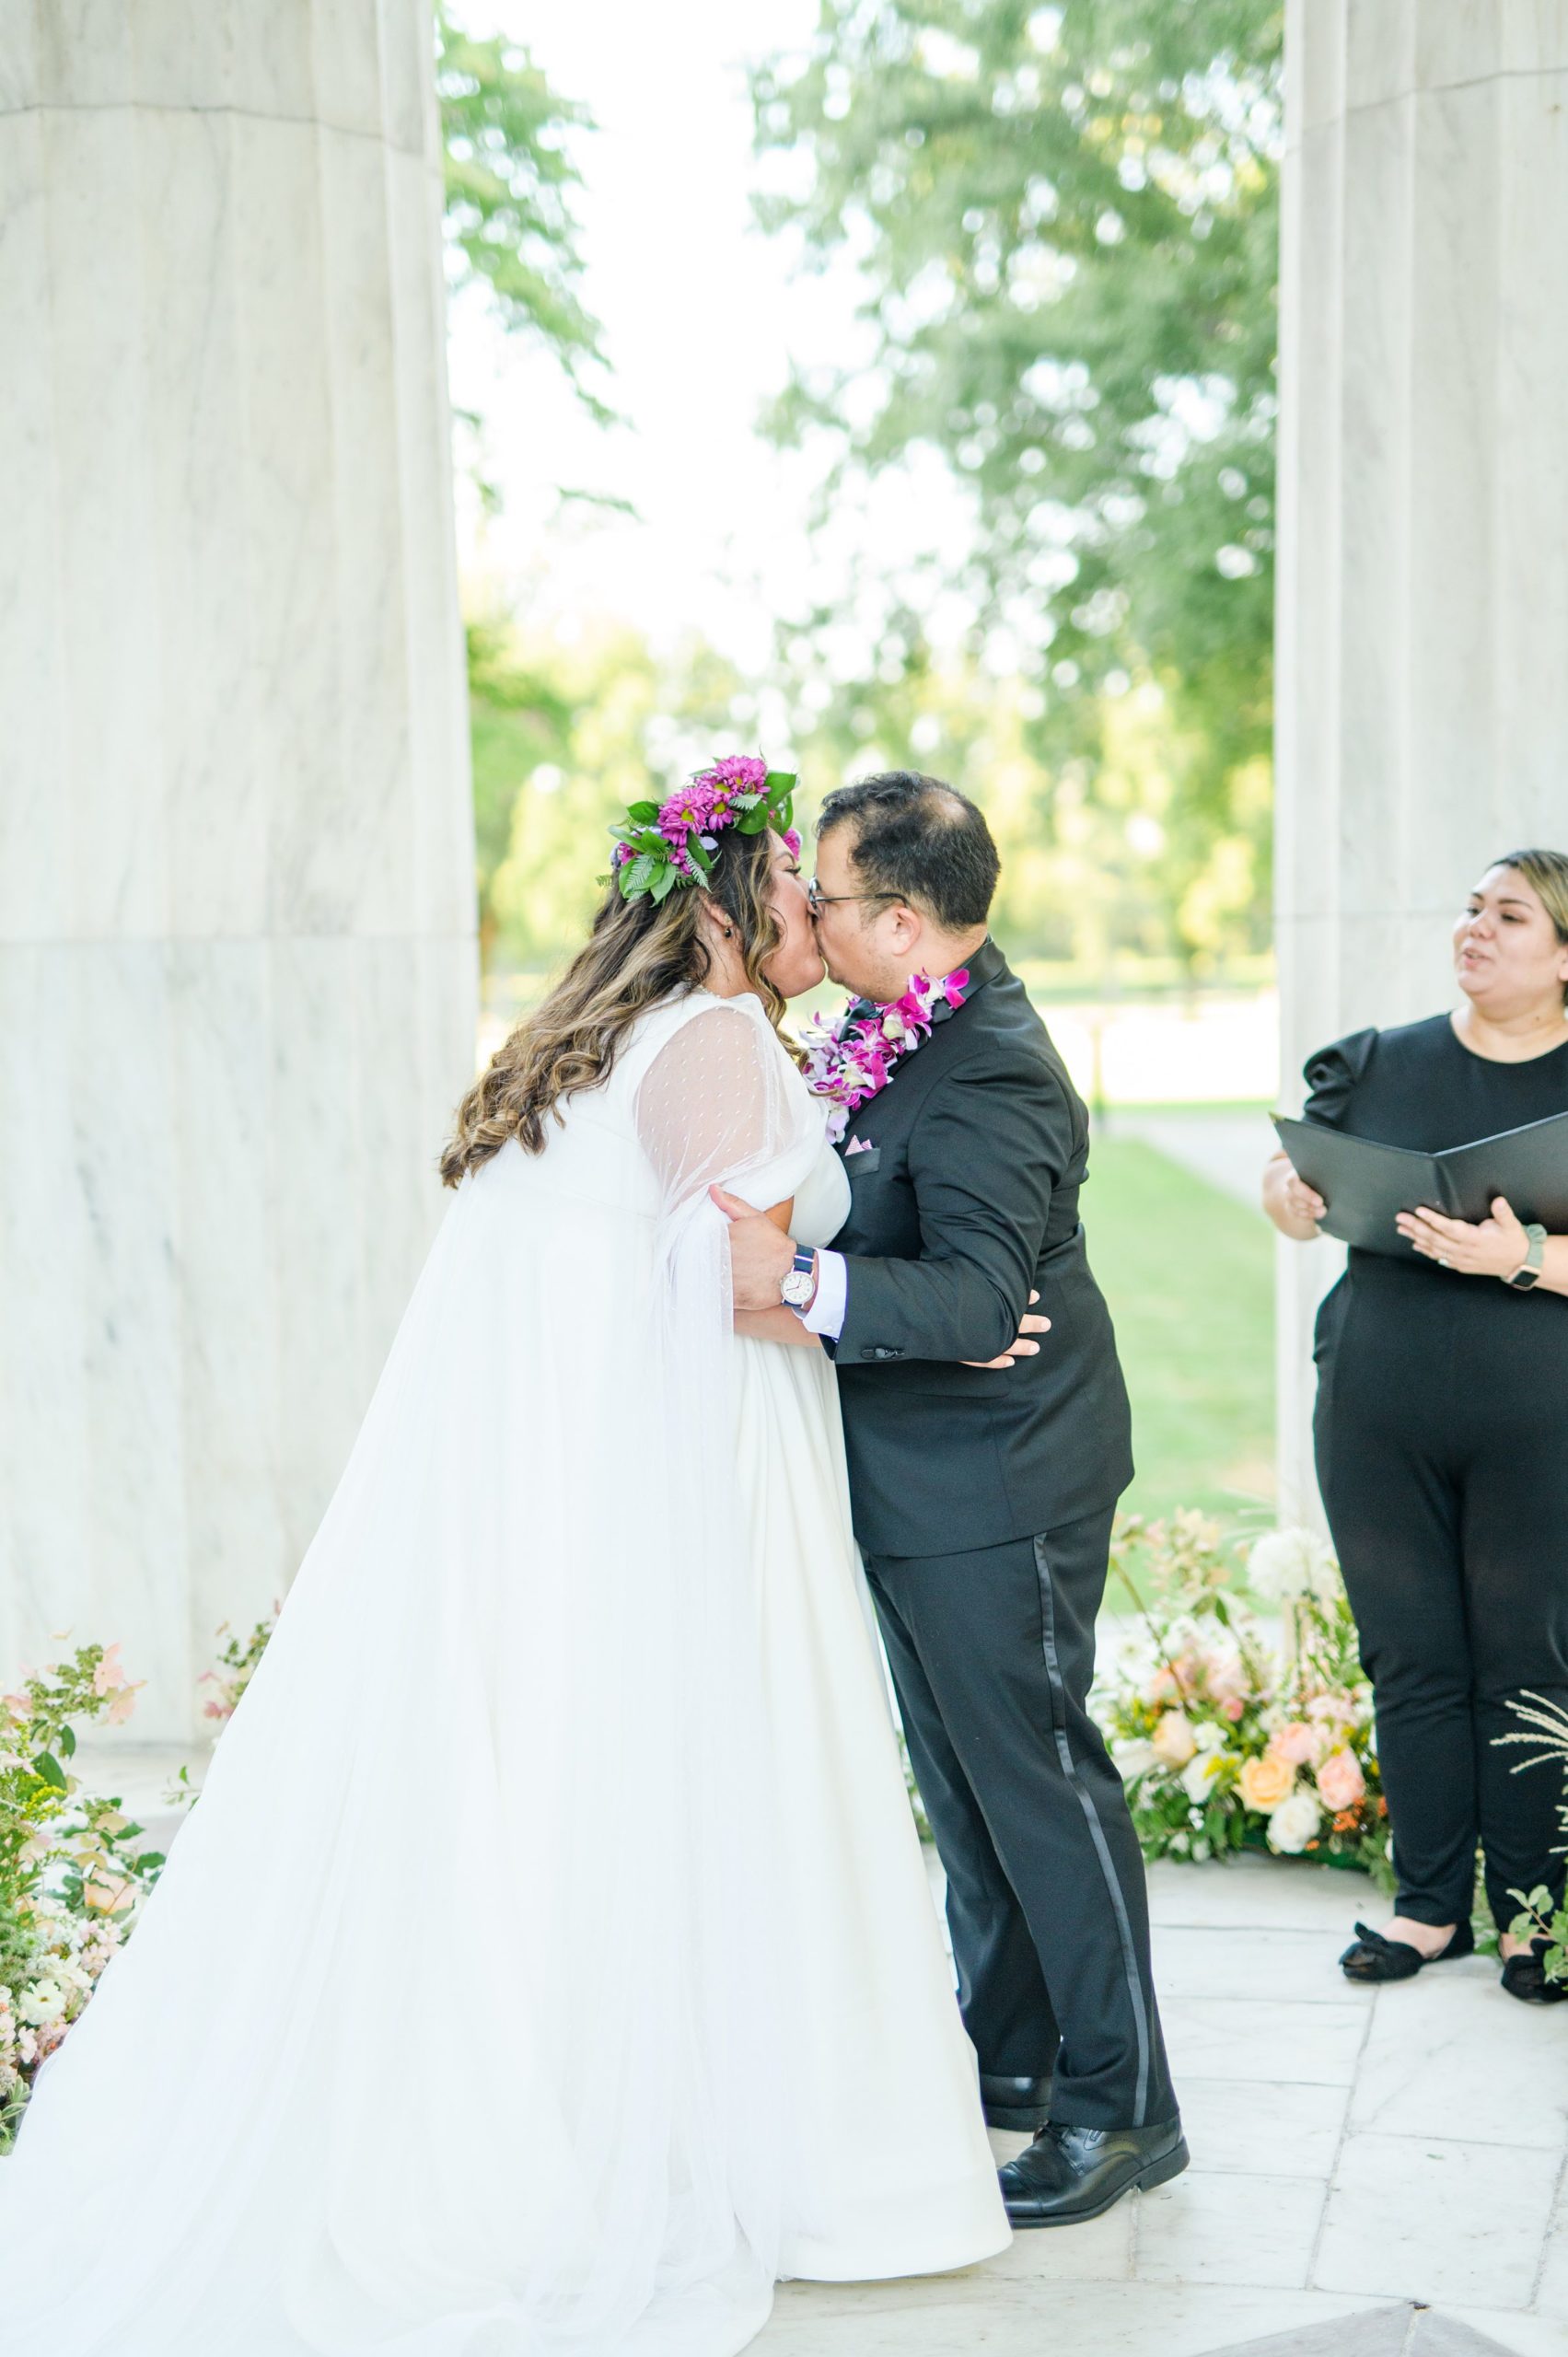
column 1067, row 219
column 565, row 735
column 509, row 221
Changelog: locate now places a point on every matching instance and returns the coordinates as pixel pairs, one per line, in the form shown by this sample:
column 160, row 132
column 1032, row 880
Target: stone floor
column 1372, row 2171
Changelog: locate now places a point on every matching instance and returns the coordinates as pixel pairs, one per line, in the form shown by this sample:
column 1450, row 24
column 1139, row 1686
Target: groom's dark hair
column 920, row 840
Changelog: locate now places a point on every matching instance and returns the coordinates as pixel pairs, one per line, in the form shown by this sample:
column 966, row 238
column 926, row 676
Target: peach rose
column 1340, row 1781
column 1294, row 1744
column 1174, row 1740
column 1266, row 1782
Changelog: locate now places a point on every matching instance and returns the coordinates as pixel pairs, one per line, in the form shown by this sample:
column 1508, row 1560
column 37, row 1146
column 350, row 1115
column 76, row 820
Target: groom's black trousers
column 993, row 1653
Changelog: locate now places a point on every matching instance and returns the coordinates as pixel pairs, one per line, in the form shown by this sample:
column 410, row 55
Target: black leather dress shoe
column 1014, row 2103
column 1070, row 2174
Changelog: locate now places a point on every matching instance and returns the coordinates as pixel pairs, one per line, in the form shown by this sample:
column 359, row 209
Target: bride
column 548, row 1966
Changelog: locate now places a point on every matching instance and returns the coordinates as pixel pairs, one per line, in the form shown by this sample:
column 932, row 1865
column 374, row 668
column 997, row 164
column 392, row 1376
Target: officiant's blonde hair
column 638, row 954
column 1546, row 872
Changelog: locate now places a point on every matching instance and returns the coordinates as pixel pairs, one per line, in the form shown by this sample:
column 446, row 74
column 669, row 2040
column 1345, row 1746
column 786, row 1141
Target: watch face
column 796, row 1288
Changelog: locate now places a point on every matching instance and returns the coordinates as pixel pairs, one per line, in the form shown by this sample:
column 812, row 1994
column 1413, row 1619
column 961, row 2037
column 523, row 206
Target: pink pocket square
column 858, row 1145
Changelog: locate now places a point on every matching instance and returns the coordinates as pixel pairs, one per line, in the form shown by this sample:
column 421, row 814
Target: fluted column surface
column 237, row 962
column 1422, row 691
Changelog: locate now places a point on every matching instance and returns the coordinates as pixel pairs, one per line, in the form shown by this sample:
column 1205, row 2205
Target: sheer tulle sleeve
column 720, row 1106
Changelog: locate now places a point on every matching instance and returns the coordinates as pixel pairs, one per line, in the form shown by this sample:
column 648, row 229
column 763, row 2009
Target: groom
column 984, row 1496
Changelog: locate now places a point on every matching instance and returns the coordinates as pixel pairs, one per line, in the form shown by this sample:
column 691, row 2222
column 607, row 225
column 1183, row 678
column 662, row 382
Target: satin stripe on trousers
column 993, row 1655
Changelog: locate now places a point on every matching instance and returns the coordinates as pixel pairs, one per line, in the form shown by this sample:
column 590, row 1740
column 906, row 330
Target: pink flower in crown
column 792, row 842
column 689, row 812
column 741, row 773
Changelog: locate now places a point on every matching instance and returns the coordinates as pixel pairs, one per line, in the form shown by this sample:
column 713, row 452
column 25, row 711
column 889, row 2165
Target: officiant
column 1441, row 1432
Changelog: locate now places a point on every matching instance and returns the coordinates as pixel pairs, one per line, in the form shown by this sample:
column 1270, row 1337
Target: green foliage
column 508, row 201
column 566, row 737
column 1544, row 1730
column 71, row 1868
column 1066, row 220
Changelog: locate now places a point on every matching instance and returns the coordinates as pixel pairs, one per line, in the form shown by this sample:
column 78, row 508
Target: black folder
column 1366, row 1184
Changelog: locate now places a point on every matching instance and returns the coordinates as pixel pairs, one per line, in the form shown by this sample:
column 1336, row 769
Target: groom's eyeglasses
column 817, row 899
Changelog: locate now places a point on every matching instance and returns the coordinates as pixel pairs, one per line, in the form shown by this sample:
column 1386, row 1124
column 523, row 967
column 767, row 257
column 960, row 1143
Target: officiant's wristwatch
column 798, row 1289
column 1528, row 1270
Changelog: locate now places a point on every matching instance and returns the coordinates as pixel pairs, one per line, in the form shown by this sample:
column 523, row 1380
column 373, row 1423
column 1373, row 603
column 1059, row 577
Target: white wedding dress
column 548, row 1966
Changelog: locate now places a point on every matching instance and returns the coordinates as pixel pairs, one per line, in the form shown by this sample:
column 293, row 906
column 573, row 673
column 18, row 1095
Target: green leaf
column 779, row 781
column 638, row 876
column 754, row 823
column 49, row 1768
column 664, row 884
column 67, row 1740
column 644, row 812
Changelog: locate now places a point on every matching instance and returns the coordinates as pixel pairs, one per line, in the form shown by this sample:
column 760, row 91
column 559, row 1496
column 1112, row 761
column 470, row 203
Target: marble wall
column 1422, row 689
column 236, row 923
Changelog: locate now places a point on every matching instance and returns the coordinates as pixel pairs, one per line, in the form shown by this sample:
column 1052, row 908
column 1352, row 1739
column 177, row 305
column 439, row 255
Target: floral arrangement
column 236, row 1665
column 1540, row 1916
column 70, row 1875
column 852, row 1060
column 1227, row 1740
column 661, row 846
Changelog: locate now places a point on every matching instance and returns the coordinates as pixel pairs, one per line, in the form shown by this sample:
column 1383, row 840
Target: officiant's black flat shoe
column 1372, row 1957
column 1070, row 2175
column 1018, row 2103
column 1524, row 1976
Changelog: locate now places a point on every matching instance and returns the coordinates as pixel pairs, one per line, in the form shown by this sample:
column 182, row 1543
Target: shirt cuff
column 826, row 1315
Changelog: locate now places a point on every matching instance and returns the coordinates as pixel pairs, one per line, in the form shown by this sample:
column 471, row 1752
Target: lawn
column 1188, row 1275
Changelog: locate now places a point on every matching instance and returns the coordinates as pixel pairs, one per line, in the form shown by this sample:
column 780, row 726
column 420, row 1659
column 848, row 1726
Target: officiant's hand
column 760, row 1255
column 1485, row 1248
column 1023, row 1348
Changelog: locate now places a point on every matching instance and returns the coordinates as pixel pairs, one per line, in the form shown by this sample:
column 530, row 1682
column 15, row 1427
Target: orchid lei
column 662, row 845
column 852, row 1061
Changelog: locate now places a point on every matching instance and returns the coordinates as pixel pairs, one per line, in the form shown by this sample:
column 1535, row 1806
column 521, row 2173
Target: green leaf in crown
column 663, row 846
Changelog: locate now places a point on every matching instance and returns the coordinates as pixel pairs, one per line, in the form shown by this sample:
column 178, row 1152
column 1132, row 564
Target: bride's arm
column 780, row 1325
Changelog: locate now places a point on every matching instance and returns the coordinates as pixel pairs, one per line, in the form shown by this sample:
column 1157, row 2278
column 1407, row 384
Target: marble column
column 237, row 923
column 1422, row 685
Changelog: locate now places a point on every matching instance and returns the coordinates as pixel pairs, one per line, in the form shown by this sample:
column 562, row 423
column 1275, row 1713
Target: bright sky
column 701, row 316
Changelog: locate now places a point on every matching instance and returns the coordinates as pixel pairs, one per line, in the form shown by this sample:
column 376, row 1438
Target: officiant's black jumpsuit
column 1442, row 1447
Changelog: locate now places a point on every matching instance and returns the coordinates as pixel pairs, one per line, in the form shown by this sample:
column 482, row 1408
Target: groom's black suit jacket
column 967, row 1197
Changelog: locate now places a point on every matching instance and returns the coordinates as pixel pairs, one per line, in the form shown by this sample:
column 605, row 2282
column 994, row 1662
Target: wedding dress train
column 548, row 1965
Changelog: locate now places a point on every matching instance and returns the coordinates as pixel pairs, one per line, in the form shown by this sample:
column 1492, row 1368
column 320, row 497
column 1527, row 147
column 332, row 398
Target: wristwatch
column 1528, row 1270
column 799, row 1288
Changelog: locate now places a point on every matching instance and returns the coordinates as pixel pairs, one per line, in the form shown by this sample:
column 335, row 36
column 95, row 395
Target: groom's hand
column 1023, row 1348
column 759, row 1256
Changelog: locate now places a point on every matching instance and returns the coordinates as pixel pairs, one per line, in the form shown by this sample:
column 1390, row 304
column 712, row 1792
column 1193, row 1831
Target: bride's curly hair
column 636, row 954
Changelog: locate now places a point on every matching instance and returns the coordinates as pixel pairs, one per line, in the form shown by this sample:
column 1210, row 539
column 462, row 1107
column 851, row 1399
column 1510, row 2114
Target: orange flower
column 1265, row 1782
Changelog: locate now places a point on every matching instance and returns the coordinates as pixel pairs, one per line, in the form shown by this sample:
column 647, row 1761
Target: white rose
column 1208, row 1736
column 1293, row 1823
column 1287, row 1565
column 1203, row 1770
column 1134, row 1758
column 45, row 2002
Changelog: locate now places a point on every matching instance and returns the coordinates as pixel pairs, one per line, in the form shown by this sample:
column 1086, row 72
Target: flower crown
column 659, row 845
